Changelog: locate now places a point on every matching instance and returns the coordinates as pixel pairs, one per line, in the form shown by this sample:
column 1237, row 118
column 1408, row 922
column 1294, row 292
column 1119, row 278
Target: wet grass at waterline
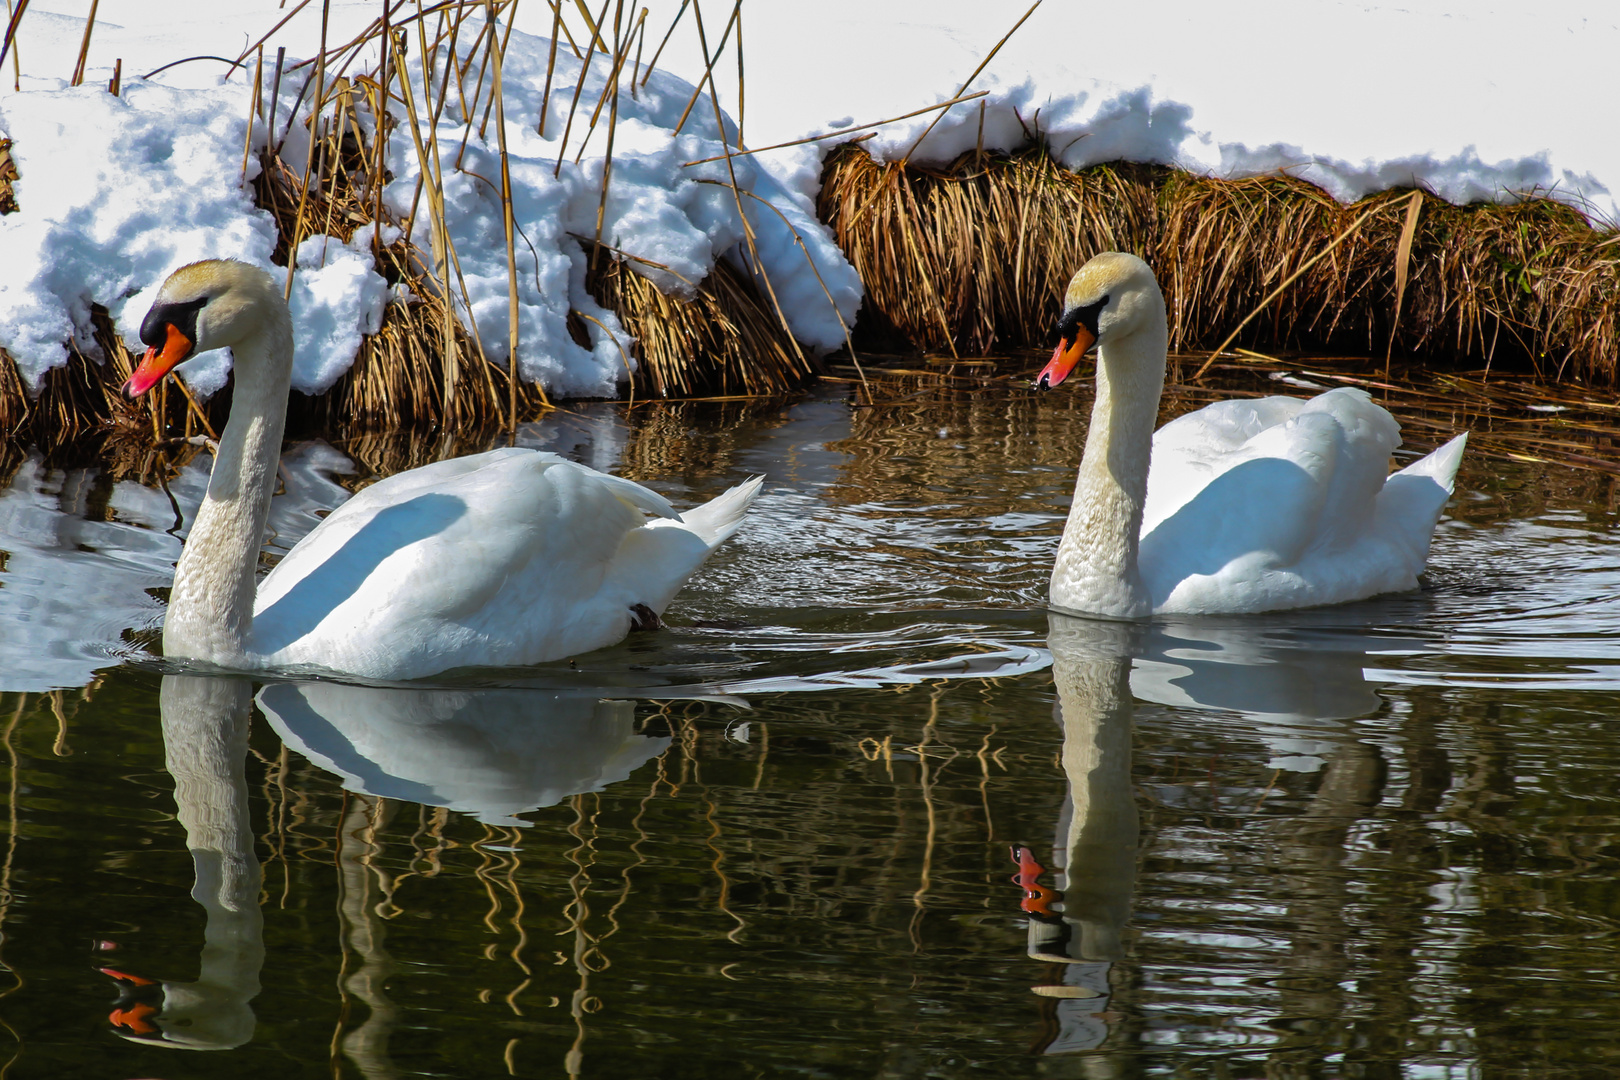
column 974, row 257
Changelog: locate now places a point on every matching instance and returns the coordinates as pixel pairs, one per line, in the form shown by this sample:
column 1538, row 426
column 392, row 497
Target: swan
column 1250, row 505
column 508, row 557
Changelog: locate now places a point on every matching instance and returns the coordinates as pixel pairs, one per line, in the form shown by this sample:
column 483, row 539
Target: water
column 1374, row 840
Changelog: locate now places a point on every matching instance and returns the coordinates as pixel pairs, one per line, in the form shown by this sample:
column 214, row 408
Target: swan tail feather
column 1413, row 498
column 1441, row 465
column 717, row 519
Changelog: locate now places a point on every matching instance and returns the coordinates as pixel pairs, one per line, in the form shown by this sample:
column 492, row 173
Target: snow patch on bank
column 117, row 192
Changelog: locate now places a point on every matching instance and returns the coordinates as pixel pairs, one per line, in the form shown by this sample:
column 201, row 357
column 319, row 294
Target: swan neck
column 210, row 613
column 1096, row 569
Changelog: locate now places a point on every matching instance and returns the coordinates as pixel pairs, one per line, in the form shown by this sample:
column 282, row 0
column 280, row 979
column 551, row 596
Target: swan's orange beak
column 1064, row 358
column 154, row 365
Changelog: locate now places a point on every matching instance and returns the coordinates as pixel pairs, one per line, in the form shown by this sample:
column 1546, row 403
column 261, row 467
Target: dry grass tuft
column 724, row 341
column 8, row 175
column 86, row 395
column 976, row 255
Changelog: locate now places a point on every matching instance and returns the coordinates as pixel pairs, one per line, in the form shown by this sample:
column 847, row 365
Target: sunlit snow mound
column 117, row 192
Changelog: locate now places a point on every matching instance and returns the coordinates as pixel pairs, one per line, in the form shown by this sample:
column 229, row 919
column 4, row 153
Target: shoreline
column 1528, row 287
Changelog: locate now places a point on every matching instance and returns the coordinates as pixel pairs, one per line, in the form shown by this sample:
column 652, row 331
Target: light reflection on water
column 1377, row 839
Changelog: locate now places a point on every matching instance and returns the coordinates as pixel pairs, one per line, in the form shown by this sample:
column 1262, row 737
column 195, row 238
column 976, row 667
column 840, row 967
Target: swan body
column 1250, row 505
column 508, row 557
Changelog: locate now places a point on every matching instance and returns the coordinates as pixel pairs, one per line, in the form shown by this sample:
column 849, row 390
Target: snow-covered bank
column 1476, row 101
column 116, row 192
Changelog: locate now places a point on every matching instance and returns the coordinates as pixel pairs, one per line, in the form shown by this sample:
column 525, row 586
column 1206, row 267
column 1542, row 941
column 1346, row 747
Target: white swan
column 507, row 557
column 1253, row 505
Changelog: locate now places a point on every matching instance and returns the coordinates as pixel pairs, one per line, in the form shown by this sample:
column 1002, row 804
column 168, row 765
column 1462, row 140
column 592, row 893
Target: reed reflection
column 205, row 742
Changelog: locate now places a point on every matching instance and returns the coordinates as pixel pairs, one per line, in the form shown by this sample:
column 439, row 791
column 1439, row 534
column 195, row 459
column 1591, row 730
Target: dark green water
column 1378, row 840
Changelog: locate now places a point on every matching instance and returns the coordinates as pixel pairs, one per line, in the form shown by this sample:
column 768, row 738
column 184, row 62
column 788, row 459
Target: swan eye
column 1081, row 315
column 182, row 316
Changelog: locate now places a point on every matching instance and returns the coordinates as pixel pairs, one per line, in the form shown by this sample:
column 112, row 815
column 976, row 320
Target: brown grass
column 975, row 256
column 726, row 340
column 8, row 173
column 85, row 395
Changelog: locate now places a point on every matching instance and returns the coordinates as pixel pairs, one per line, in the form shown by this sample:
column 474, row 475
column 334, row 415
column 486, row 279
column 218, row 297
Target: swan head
column 203, row 306
column 1110, row 298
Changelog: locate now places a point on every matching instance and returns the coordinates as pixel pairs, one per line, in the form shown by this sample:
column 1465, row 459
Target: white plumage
column 507, row 557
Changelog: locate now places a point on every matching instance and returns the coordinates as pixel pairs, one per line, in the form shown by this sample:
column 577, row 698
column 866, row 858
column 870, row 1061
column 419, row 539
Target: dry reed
column 725, row 340
column 8, row 174
column 975, row 256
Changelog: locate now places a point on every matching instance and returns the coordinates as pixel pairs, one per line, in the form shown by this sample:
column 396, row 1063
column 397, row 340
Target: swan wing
column 1196, row 447
column 1286, row 518
column 499, row 558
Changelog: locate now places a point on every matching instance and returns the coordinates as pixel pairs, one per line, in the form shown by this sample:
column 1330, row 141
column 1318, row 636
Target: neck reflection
column 205, row 736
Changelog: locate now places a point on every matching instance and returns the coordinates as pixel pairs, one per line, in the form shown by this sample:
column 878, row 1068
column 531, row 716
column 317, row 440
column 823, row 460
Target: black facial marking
column 1085, row 315
column 182, row 316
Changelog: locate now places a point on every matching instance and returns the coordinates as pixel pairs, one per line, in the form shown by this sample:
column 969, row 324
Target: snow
column 1472, row 101
column 1475, row 100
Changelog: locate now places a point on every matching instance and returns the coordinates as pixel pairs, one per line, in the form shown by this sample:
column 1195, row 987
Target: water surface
column 774, row 840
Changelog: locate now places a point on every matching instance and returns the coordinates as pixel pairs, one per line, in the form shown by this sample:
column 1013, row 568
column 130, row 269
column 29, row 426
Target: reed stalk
column 754, row 262
column 1280, row 289
column 435, row 191
column 641, row 39
column 275, row 95
column 253, row 113
column 84, row 45
column 849, row 343
column 593, row 25
column 513, row 371
column 707, row 81
column 551, row 67
column 309, row 159
column 991, row 55
column 843, row 131
column 511, row 21
column 619, row 57
column 302, row 4
column 742, row 97
column 9, row 44
column 579, row 87
column 1403, row 266
column 612, row 90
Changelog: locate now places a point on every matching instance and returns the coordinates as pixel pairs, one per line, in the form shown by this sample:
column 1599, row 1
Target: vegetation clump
column 975, row 256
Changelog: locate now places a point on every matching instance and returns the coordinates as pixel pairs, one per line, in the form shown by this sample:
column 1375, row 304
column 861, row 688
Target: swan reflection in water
column 1292, row 679
column 488, row 753
column 491, row 754
column 205, row 743
column 1288, row 687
